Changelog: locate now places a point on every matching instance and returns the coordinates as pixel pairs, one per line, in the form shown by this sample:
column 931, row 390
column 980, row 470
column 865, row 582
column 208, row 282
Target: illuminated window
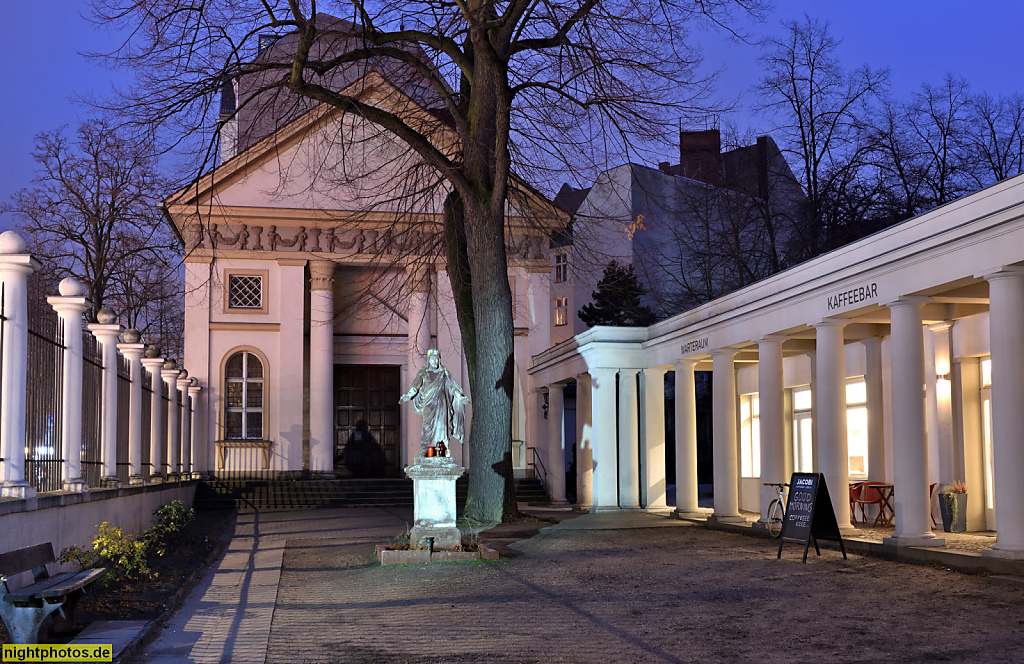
column 561, row 268
column 986, row 373
column 561, row 311
column 243, row 397
column 986, row 431
column 803, row 425
column 750, row 436
column 857, row 427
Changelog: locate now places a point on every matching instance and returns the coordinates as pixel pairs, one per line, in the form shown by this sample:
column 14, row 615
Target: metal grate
column 245, row 291
column 43, row 414
column 92, row 402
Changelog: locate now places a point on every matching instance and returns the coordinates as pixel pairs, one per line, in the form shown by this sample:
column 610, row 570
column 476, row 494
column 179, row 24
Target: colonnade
column 182, row 437
column 622, row 427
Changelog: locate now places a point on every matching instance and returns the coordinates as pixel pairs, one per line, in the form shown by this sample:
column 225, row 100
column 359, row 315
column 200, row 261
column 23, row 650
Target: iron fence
column 165, row 399
column 44, row 356
column 147, row 419
column 124, row 395
column 92, row 403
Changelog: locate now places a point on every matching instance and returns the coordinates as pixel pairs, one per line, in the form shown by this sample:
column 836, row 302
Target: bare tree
column 939, row 117
column 996, row 136
column 821, row 110
column 510, row 87
column 93, row 213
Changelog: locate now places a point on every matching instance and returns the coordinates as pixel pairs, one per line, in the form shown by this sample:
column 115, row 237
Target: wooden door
column 366, row 422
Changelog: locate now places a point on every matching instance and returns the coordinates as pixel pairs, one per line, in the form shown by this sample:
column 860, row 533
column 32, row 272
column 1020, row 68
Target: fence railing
column 147, row 419
column 124, row 393
column 44, row 356
column 92, row 404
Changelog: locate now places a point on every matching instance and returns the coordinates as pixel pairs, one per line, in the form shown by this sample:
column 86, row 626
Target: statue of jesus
column 438, row 398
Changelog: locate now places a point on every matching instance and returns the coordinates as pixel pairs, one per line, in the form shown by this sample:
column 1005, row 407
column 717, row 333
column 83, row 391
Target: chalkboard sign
column 809, row 514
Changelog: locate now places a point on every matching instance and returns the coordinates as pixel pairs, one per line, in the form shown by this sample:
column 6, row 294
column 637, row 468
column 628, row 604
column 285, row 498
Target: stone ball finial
column 170, row 363
column 71, row 287
column 106, row 316
column 131, row 336
column 183, row 374
column 152, row 351
column 11, row 242
column 194, row 381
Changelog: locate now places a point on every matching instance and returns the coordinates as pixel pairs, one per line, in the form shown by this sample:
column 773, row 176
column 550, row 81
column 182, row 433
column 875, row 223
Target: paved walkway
column 305, row 587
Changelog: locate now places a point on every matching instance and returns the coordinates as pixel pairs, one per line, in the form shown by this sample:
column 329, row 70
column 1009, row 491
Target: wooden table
column 885, row 508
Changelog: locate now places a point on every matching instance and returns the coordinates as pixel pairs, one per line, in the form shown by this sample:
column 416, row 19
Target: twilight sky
column 919, row 40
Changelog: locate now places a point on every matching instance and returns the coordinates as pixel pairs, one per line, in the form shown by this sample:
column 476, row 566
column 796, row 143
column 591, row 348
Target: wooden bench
column 24, row 609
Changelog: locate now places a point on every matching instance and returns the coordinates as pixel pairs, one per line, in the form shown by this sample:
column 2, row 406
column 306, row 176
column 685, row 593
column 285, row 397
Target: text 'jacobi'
column 852, row 296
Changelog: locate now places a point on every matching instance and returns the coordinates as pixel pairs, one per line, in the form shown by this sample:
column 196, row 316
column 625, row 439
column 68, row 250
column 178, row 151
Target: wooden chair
column 855, row 497
column 931, row 490
column 870, row 495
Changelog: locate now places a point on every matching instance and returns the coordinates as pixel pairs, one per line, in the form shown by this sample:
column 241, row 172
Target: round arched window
column 243, row 390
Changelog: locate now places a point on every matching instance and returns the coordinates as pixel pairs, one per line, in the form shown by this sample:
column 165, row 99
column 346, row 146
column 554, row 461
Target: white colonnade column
column 170, row 376
column 686, row 440
column 604, row 435
column 726, row 452
column 910, row 449
column 833, row 449
column 133, row 350
column 106, row 332
column 772, row 416
column 556, row 447
column 198, row 451
column 154, row 364
column 629, row 441
column 876, row 408
column 15, row 267
column 1006, row 332
column 418, row 341
column 653, row 482
column 70, row 305
column 321, row 368
column 185, row 429
column 584, row 443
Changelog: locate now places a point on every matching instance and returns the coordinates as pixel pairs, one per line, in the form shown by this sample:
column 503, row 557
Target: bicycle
column 776, row 510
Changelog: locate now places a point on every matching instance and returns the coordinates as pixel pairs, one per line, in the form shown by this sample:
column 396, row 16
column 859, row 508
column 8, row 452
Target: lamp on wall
column 942, row 376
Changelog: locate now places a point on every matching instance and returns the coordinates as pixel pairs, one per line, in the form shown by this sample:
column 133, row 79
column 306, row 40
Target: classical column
column 772, row 417
column 170, row 376
column 1006, row 323
column 686, row 440
column 726, row 447
column 604, row 418
column 584, row 444
column 106, row 332
column 556, row 447
column 321, row 368
column 876, row 408
column 629, row 441
column 198, row 449
column 652, row 440
column 133, row 350
column 418, row 342
column 185, row 430
column 833, row 450
column 15, row 267
column 910, row 450
column 70, row 305
column 939, row 403
column 154, row 364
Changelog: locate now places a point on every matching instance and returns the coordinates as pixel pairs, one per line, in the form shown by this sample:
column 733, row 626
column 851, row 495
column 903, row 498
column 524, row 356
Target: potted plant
column 953, row 505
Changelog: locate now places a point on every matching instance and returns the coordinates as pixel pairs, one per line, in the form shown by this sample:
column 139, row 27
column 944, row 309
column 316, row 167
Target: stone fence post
column 70, row 305
column 154, row 363
column 106, row 331
column 132, row 349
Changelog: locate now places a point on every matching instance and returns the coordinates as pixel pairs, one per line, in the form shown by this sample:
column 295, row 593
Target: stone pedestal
column 433, row 486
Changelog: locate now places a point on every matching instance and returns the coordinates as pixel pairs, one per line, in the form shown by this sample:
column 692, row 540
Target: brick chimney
column 700, row 156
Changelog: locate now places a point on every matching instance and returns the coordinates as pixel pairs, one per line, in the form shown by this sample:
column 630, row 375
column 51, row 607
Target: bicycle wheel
column 775, row 516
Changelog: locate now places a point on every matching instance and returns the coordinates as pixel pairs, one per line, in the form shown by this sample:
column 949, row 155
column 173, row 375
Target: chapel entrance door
column 366, row 420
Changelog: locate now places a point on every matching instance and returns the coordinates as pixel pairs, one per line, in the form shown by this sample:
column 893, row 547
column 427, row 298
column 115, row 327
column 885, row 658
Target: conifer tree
column 618, row 300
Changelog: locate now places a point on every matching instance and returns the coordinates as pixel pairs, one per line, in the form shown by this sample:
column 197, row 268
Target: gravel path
column 666, row 594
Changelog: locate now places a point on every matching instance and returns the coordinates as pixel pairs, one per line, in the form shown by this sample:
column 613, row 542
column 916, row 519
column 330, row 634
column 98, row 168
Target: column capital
column 194, row 390
column 75, row 304
column 725, row 353
column 183, row 383
column 132, row 351
column 1002, row 272
column 832, row 322
column 773, row 339
column 418, row 278
column 153, row 364
column 651, row 371
column 321, row 275
column 908, row 300
column 628, row 370
column 105, row 330
column 686, row 362
column 940, row 326
column 23, row 263
column 169, row 376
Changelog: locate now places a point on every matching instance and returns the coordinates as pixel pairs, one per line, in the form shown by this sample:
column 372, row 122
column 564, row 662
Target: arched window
column 243, row 390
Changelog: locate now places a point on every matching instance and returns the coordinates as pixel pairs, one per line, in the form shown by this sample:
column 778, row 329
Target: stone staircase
column 311, row 494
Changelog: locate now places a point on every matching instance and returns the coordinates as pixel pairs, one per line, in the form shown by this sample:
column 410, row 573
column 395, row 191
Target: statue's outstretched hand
column 405, row 397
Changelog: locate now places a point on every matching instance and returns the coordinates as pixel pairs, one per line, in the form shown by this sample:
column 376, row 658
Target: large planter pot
column 954, row 512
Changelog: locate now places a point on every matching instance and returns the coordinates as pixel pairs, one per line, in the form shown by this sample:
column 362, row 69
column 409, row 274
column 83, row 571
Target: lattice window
column 561, row 311
column 243, row 393
column 561, row 268
column 245, row 291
